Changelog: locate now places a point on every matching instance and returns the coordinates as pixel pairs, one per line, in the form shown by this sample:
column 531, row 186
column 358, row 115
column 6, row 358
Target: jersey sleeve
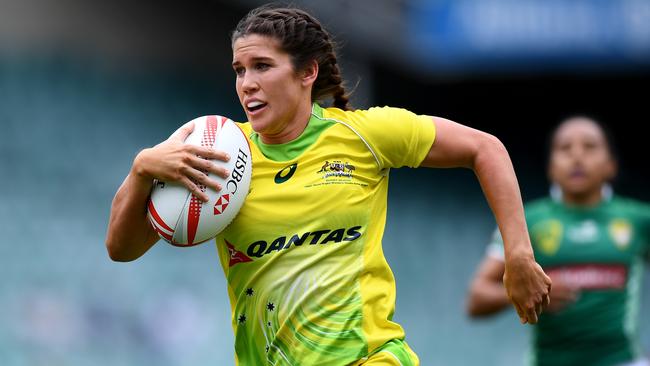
column 396, row 136
column 495, row 247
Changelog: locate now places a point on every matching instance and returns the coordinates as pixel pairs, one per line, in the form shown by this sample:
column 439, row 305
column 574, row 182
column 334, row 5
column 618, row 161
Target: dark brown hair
column 610, row 143
column 304, row 39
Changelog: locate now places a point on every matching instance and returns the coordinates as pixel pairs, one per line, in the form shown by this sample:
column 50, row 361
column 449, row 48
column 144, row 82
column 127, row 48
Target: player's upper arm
column 487, row 295
column 486, row 292
column 493, row 266
column 457, row 145
column 491, row 269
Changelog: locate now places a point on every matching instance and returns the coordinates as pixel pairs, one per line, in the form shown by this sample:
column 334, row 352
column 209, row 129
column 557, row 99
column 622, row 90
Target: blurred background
column 84, row 85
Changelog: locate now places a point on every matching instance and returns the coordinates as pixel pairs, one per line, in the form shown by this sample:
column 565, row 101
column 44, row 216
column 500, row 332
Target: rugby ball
column 183, row 219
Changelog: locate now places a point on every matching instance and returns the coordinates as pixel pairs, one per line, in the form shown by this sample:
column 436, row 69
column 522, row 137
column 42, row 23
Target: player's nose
column 249, row 83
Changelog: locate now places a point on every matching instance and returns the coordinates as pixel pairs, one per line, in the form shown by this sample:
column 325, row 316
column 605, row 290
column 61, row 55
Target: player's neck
column 583, row 199
column 293, row 129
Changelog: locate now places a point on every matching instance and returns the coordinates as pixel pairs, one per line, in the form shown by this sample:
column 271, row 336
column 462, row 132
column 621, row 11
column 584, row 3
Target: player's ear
column 550, row 172
column 612, row 169
column 309, row 74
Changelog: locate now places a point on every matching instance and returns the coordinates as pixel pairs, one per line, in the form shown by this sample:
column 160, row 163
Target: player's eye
column 261, row 66
column 589, row 146
column 564, row 147
column 239, row 70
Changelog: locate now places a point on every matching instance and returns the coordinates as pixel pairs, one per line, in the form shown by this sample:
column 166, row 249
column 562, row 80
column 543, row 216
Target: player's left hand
column 527, row 286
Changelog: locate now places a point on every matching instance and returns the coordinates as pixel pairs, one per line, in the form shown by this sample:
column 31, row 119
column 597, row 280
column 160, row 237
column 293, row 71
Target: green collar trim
column 294, row 148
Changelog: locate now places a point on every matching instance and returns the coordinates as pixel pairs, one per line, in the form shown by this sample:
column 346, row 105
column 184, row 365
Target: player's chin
column 579, row 186
column 259, row 125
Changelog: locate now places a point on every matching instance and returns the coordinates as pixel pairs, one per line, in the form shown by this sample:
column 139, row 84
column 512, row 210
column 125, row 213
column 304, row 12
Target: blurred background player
column 593, row 245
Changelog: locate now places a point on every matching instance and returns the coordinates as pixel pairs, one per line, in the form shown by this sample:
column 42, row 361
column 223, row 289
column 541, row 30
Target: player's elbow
column 473, row 305
column 114, row 254
column 475, row 310
column 491, row 144
column 116, row 251
column 489, row 150
column 479, row 301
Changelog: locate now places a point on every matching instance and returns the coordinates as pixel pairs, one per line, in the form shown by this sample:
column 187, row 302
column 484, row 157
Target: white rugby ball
column 183, row 219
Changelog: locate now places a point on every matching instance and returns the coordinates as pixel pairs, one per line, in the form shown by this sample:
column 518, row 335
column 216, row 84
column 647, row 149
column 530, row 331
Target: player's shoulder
column 630, row 205
column 372, row 114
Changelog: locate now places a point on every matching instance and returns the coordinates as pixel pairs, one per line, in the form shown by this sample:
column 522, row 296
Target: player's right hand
column 174, row 161
column 527, row 287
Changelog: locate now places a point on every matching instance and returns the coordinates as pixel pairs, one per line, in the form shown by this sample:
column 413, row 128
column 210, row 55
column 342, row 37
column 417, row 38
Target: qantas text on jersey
column 260, row 248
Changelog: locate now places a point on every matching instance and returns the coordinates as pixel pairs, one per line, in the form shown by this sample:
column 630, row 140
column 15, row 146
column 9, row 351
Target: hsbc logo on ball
column 232, row 184
column 221, row 204
column 238, row 172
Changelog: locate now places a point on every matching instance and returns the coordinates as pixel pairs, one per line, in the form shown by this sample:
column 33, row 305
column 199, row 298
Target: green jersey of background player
column 592, row 244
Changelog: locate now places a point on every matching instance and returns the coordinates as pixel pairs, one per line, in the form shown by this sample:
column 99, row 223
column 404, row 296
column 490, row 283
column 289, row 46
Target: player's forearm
column 497, row 177
column 486, row 298
column 129, row 233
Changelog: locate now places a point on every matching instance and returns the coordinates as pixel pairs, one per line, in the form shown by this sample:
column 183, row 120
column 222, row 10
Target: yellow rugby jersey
column 307, row 278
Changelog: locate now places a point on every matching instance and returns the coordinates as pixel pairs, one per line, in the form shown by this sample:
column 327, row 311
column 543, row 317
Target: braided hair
column 304, row 39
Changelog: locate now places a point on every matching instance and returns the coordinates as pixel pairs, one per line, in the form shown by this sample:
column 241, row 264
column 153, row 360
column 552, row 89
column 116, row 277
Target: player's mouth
column 255, row 106
column 578, row 173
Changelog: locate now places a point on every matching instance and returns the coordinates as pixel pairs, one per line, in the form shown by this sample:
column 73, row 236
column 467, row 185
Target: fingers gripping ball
column 180, row 217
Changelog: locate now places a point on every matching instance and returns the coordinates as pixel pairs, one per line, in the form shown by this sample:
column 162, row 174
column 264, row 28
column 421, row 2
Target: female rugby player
column 592, row 244
column 307, row 279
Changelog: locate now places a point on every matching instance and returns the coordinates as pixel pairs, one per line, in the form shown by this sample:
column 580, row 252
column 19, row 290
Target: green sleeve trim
column 397, row 349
